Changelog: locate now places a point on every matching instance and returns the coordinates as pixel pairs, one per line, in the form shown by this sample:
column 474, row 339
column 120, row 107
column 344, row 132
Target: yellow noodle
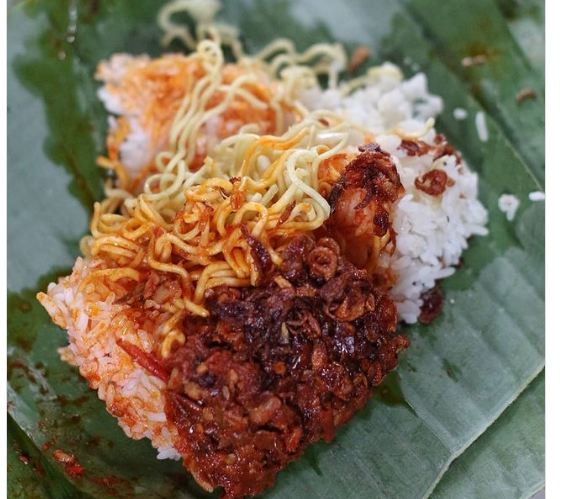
column 193, row 224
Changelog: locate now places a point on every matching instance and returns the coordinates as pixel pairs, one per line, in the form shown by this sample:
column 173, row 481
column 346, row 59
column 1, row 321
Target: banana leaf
column 465, row 387
column 507, row 460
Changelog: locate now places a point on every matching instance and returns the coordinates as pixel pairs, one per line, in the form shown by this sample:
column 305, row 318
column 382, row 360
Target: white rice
column 536, row 196
column 431, row 232
column 509, row 204
column 481, row 124
column 460, row 114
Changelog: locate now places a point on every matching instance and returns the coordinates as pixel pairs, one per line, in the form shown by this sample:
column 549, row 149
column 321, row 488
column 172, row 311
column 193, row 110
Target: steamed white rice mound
column 432, row 232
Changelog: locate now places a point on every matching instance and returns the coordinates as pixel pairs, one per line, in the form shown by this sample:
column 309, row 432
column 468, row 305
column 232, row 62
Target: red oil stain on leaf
column 107, row 482
column 71, row 465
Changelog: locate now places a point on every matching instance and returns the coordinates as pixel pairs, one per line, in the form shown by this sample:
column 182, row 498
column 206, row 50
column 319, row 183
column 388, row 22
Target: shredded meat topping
column 278, row 367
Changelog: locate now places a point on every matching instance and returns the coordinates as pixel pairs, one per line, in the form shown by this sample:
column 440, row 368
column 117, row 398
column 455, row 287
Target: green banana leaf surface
column 463, row 414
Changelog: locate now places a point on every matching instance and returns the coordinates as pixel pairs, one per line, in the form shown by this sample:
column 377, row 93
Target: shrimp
column 361, row 203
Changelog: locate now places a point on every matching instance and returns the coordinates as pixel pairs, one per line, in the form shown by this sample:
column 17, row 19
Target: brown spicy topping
column 443, row 148
column 415, row 147
column 439, row 149
column 275, row 369
column 432, row 305
column 237, row 196
column 259, row 253
column 286, row 213
column 525, row 94
column 322, row 262
column 434, row 182
column 360, row 55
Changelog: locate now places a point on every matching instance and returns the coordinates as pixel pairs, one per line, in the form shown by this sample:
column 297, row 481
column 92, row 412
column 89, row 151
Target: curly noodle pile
column 194, row 212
